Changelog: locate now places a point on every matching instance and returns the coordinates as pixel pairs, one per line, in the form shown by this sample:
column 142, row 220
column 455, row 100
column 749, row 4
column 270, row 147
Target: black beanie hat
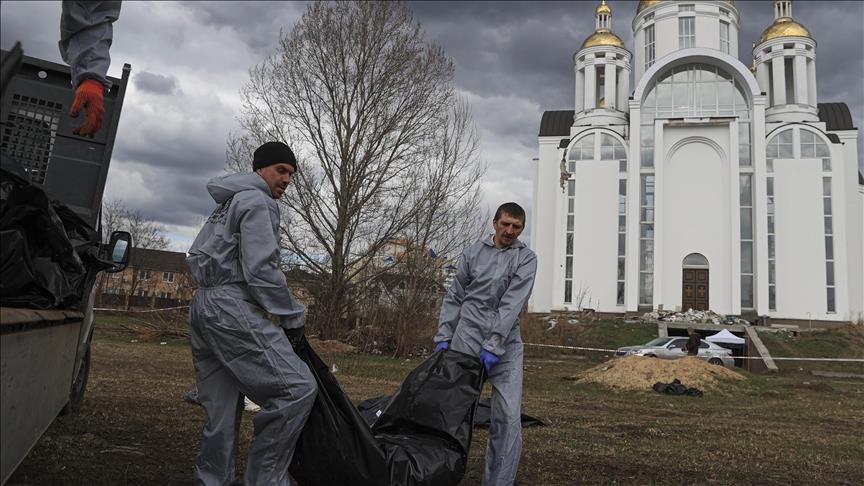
column 273, row 153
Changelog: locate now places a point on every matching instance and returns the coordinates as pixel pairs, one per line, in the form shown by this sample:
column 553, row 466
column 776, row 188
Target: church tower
column 602, row 67
column 785, row 60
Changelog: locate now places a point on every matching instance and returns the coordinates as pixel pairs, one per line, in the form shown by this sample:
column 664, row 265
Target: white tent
column 725, row 337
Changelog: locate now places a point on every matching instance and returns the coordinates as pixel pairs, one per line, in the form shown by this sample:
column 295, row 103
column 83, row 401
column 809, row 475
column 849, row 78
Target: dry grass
column 135, row 427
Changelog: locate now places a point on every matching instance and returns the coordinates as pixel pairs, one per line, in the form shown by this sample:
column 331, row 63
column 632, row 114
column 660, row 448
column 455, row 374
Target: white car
column 673, row 348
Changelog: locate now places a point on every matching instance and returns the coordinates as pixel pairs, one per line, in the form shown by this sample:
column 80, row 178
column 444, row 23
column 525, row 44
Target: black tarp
column 422, row 436
column 676, row 388
column 48, row 254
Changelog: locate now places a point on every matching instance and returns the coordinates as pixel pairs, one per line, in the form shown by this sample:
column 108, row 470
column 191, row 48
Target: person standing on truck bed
column 480, row 316
column 86, row 32
column 236, row 349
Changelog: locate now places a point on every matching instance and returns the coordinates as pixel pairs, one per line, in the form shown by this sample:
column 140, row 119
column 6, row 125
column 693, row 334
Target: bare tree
column 116, row 216
column 361, row 96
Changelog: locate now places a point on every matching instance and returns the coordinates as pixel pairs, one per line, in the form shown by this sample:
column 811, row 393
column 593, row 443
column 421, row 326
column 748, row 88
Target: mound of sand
column 330, row 346
column 640, row 373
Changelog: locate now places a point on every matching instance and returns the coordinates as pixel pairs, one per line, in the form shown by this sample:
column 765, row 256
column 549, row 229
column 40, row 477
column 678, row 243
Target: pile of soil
column 640, row 373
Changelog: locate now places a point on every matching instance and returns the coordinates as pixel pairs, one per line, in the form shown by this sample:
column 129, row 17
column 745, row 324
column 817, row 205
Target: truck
column 51, row 247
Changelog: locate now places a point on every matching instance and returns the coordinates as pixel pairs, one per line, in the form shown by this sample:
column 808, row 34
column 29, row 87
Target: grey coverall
column 236, row 349
column 86, row 32
column 481, row 311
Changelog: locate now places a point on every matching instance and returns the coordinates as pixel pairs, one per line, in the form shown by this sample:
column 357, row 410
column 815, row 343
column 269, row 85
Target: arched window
column 611, row 148
column 695, row 260
column 812, row 146
column 780, row 146
column 695, row 90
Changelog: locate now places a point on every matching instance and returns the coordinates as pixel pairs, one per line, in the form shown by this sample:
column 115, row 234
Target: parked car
column 673, row 348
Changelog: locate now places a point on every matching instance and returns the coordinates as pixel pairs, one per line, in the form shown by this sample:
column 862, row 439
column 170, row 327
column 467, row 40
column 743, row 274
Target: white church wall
column 853, row 207
column 546, row 193
column 596, row 235
column 693, row 214
column 707, row 31
column 800, row 240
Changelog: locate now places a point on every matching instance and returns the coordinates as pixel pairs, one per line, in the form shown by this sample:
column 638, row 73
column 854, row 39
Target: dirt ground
column 135, row 427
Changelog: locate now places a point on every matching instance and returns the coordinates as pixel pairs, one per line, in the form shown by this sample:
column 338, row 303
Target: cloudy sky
column 513, row 61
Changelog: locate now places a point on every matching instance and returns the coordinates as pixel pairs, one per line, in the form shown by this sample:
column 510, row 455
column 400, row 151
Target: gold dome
column 643, row 4
column 784, row 27
column 603, row 8
column 603, row 37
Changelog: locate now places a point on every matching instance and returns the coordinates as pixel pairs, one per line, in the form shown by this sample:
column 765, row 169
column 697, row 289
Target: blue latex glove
column 489, row 360
column 442, row 346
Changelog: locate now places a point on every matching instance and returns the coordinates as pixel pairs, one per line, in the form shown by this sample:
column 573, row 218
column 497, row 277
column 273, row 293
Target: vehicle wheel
column 715, row 361
column 79, row 386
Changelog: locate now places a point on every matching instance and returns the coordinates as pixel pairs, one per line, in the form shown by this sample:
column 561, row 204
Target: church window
column 582, row 150
column 622, row 238
column 812, row 146
column 646, row 144
column 695, row 90
column 746, row 202
column 686, row 32
column 744, row 146
column 568, row 249
column 772, row 275
column 790, row 81
column 829, row 244
column 649, row 46
column 724, row 37
column 646, row 240
column 780, row 146
column 611, row 148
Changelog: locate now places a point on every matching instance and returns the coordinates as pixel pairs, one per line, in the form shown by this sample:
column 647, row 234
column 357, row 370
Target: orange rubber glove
column 89, row 96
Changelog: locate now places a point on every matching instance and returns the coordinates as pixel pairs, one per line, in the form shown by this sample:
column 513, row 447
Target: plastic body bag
column 49, row 254
column 421, row 438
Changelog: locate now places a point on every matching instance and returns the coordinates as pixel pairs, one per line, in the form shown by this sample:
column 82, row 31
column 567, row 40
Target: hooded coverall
column 481, row 312
column 236, row 349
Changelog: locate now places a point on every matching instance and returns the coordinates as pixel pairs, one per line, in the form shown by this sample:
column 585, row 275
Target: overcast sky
column 513, row 61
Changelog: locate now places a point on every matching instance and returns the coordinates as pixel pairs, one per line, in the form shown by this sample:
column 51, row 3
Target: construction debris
column 694, row 316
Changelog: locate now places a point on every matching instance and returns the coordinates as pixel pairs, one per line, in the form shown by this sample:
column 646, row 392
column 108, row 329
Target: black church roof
column 836, row 116
column 556, row 123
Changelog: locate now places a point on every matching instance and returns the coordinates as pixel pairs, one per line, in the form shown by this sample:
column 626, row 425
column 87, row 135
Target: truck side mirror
column 120, row 249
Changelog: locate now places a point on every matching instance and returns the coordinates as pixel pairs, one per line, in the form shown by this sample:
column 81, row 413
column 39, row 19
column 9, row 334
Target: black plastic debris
column 372, row 408
column 422, row 436
column 676, row 388
column 49, row 252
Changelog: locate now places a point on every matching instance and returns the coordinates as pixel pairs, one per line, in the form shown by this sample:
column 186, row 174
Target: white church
column 710, row 185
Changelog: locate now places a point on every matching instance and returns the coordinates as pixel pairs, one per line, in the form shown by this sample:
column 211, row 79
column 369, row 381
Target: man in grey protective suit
column 236, row 349
column 480, row 316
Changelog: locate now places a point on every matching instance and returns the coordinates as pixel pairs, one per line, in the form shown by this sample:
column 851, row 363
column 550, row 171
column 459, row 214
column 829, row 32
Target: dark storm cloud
column 157, row 83
column 513, row 61
column 257, row 24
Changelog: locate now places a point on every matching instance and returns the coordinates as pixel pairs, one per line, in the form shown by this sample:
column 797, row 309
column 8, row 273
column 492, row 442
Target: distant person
column 86, row 32
column 236, row 349
column 693, row 342
column 480, row 316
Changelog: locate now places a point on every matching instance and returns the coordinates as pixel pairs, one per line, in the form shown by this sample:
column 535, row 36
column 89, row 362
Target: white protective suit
column 236, row 349
column 481, row 312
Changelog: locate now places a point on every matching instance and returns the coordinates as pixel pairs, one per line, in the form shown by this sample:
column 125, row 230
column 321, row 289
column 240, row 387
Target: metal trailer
column 45, row 354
